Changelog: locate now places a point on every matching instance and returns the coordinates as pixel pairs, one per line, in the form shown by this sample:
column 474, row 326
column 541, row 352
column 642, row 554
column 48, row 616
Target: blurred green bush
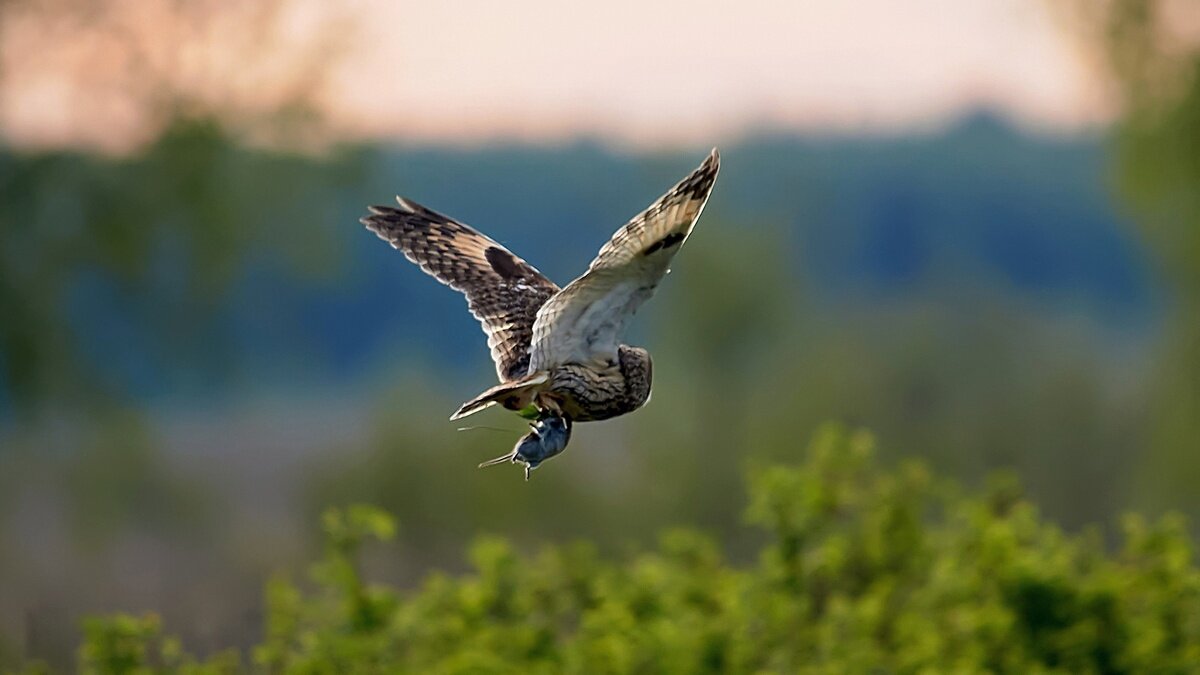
column 864, row 570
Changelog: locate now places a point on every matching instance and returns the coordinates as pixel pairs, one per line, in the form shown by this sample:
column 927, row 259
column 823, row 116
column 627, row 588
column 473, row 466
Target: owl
column 558, row 351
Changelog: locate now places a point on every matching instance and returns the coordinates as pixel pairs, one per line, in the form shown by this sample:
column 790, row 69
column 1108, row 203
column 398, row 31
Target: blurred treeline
column 200, row 349
column 1151, row 48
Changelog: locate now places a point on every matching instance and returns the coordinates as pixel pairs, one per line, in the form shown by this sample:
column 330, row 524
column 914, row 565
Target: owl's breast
column 590, row 393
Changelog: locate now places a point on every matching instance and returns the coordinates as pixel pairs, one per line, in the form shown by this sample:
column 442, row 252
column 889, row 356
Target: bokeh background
column 973, row 228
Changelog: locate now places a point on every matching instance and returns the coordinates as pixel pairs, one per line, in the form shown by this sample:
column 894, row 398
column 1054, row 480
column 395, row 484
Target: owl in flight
column 557, row 350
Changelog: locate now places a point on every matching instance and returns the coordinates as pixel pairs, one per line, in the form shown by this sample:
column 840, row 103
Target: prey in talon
column 549, row 436
column 558, row 351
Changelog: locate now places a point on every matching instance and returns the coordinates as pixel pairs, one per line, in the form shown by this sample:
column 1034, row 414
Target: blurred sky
column 663, row 73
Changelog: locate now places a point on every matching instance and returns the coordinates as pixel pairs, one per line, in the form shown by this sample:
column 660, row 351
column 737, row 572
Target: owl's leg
column 549, row 406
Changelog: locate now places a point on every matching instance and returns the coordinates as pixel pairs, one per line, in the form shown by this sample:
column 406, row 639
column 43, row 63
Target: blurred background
column 973, row 228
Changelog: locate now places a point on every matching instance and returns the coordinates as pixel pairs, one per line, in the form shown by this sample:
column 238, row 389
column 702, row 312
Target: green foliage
column 864, row 570
column 129, row 644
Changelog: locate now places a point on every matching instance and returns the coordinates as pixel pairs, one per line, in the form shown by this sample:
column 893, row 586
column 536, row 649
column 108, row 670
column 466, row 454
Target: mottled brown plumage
column 503, row 291
column 586, row 394
column 557, row 349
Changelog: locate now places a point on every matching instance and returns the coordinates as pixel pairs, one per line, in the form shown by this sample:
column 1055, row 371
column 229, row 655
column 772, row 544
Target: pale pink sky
column 665, row 72
column 685, row 71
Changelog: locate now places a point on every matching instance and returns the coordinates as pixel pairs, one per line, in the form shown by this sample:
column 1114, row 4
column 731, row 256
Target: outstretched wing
column 503, row 291
column 583, row 323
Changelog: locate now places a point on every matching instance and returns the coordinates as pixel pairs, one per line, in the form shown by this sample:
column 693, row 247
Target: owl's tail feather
column 512, row 395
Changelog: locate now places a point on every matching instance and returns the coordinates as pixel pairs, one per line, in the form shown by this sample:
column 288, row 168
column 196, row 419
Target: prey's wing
column 503, row 291
column 583, row 323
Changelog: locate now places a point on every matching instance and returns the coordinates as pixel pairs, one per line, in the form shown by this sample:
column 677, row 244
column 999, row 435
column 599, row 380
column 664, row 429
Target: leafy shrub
column 864, row 571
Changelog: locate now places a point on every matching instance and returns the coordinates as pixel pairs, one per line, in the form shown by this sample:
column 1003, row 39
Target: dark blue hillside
column 871, row 220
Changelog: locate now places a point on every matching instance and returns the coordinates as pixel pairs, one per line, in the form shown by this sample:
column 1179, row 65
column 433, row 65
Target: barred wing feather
column 583, row 322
